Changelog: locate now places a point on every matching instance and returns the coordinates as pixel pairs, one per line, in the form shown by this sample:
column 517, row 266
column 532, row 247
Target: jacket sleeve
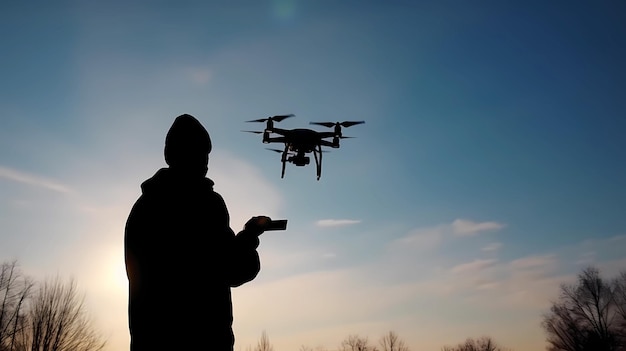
column 243, row 263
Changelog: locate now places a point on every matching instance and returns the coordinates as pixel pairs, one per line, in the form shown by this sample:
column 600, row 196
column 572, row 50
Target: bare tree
column 14, row 291
column 619, row 289
column 484, row 343
column 58, row 321
column 264, row 343
column 586, row 316
column 356, row 343
column 391, row 342
column 308, row 348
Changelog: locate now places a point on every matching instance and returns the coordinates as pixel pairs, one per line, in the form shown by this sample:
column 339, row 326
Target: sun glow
column 115, row 272
column 119, row 277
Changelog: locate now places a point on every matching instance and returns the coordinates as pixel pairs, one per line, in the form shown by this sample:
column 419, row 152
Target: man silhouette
column 182, row 257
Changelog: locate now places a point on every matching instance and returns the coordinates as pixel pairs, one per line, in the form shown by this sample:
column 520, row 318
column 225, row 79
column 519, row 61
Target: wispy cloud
column 432, row 237
column 336, row 222
column 420, row 239
column 492, row 247
column 532, row 262
column 31, row 179
column 464, row 227
column 473, row 267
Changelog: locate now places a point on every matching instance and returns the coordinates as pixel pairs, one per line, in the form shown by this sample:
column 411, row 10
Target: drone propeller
column 291, row 153
column 252, row 131
column 276, row 118
column 275, row 150
column 334, row 124
column 350, row 123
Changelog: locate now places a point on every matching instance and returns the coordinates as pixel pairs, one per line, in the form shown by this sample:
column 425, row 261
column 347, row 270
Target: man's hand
column 257, row 225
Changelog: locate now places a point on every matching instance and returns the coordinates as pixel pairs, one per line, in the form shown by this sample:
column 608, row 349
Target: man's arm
column 245, row 257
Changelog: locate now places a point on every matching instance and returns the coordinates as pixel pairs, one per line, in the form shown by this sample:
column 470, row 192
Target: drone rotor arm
column 326, row 134
column 326, row 143
column 279, row 131
column 276, row 140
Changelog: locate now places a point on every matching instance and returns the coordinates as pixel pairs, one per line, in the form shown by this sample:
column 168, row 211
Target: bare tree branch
column 264, row 343
column 391, row 342
column 14, row 290
column 587, row 316
column 356, row 343
column 484, row 343
column 58, row 320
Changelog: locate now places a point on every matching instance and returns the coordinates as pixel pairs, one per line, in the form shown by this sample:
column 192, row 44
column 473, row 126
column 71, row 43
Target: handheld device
column 279, row 224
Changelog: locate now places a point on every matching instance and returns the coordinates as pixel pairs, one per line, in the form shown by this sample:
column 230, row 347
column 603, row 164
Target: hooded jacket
column 182, row 258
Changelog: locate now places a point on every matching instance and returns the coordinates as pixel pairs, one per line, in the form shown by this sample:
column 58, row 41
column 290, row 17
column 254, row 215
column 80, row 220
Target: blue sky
column 491, row 167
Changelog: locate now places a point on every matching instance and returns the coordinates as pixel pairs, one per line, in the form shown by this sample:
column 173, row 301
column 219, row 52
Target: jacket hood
column 169, row 180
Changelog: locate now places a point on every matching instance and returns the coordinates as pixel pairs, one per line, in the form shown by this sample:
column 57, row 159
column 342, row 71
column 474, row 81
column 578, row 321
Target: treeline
column 43, row 316
column 588, row 315
column 388, row 342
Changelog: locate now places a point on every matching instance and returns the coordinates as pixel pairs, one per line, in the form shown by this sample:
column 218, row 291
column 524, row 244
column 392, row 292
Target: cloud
column 473, row 267
column 420, row 239
column 336, row 222
column 533, row 262
column 464, row 227
column 34, row 180
column 429, row 238
column 492, row 247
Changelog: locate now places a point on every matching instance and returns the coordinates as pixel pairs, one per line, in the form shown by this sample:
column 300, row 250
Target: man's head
column 187, row 146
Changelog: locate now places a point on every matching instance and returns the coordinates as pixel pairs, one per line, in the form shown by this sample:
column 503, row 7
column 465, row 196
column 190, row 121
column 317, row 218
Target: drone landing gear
column 284, row 160
column 318, row 163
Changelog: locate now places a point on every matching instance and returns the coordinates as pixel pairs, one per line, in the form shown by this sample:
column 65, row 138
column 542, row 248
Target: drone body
column 301, row 141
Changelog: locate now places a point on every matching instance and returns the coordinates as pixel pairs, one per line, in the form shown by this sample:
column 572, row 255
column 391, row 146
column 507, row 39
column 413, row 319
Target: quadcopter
column 301, row 141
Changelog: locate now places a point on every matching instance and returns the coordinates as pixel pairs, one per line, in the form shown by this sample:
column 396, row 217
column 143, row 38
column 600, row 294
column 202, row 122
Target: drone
column 301, row 141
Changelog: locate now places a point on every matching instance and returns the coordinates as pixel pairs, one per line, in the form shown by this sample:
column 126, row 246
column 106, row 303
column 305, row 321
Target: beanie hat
column 185, row 138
